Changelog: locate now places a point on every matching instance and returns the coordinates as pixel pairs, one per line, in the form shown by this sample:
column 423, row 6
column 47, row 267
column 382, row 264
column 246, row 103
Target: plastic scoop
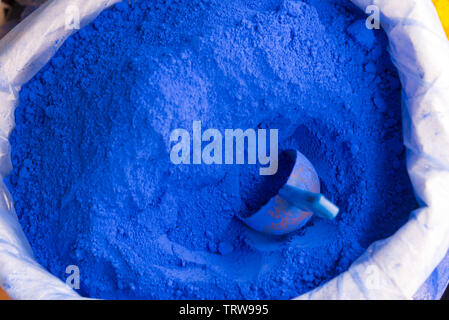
column 295, row 203
column 315, row 202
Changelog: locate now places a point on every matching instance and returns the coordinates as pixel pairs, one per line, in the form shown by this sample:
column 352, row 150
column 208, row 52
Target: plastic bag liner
column 394, row 268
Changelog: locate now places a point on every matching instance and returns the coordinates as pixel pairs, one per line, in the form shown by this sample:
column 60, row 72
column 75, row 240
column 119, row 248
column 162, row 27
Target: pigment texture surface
column 94, row 186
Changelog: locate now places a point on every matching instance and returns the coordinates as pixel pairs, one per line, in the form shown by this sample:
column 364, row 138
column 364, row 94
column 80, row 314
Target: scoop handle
column 306, row 200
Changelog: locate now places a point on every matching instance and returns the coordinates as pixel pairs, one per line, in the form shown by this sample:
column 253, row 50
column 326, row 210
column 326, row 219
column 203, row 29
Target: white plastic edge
column 390, row 269
column 23, row 51
column 396, row 267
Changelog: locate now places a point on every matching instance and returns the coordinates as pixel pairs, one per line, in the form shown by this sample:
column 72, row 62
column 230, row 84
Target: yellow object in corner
column 3, row 295
column 443, row 10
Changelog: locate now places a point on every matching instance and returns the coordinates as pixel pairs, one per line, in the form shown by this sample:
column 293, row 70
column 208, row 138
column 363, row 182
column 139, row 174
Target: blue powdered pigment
column 94, row 186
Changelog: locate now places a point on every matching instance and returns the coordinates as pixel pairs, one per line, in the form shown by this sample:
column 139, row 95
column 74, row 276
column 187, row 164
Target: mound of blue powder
column 94, row 185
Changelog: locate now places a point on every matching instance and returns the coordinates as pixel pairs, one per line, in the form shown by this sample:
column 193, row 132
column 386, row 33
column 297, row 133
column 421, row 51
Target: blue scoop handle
column 310, row 201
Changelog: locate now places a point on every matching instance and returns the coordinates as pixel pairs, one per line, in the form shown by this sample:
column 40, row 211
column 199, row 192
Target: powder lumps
column 92, row 180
